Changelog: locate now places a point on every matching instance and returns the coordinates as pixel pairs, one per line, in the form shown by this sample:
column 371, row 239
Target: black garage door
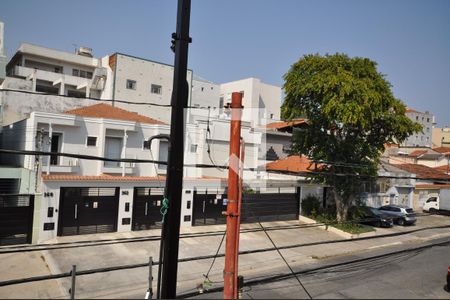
column 16, row 219
column 277, row 206
column 88, row 210
column 147, row 204
column 208, row 207
column 260, row 207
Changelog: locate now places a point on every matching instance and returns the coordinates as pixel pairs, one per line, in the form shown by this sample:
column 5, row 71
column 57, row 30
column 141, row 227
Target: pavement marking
column 386, row 245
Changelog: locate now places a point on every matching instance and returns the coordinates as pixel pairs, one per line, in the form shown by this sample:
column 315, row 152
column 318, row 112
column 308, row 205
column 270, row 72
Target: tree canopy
column 352, row 113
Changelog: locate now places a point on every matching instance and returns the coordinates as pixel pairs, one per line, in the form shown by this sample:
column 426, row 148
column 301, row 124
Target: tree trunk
column 341, row 206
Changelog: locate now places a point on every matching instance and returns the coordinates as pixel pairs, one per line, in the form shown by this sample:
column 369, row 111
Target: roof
column 103, row 177
column 417, row 153
column 423, row 171
column 293, row 163
column 442, row 150
column 444, row 169
column 285, row 124
column 410, row 110
column 106, row 111
column 432, row 186
column 106, row 177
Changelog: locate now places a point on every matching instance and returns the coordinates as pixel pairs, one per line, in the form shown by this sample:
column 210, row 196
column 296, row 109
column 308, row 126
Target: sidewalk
column 133, row 282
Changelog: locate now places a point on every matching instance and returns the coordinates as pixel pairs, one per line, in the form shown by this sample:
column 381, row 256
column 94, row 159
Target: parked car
column 371, row 216
column 448, row 279
column 403, row 215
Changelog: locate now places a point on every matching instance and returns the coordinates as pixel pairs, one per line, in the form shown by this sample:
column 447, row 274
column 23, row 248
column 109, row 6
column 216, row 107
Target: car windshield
column 375, row 211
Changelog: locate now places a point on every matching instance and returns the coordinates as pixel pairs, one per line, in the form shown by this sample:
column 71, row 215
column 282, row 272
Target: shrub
column 311, row 206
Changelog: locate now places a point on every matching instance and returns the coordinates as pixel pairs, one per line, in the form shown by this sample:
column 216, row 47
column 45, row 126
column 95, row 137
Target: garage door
column 16, row 219
column 147, row 208
column 209, row 205
column 88, row 210
column 261, row 207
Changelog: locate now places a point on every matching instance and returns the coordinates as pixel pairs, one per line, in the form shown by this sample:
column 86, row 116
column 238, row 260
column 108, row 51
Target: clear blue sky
column 232, row 40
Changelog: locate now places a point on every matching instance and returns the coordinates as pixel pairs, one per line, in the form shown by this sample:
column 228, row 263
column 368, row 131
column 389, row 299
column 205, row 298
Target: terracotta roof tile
column 417, row 153
column 285, row 124
column 432, row 186
column 294, row 163
column 423, row 171
column 103, row 177
column 442, row 150
column 444, row 169
column 106, row 111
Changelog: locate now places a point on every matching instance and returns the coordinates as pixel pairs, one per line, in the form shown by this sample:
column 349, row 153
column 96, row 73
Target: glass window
column 113, row 149
column 131, row 84
column 157, row 89
column 91, row 141
column 193, row 148
column 163, row 154
column 75, row 72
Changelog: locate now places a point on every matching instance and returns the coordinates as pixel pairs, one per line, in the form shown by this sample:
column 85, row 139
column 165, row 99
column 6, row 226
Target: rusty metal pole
column 238, row 227
column 229, row 273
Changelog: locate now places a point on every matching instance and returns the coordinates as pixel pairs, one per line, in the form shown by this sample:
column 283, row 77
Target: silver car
column 403, row 215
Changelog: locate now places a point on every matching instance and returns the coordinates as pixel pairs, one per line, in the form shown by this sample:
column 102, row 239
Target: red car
column 448, row 280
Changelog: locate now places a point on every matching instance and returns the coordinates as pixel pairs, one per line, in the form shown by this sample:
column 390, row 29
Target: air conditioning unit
column 85, row 51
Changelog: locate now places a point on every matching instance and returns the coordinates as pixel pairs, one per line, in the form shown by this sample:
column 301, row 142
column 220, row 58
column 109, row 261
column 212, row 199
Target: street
column 303, row 247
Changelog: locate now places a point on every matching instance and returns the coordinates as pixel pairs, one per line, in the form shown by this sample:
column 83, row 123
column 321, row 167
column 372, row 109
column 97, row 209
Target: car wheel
column 401, row 222
column 432, row 211
column 379, row 224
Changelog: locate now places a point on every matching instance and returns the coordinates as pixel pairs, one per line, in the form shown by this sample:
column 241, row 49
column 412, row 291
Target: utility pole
column 232, row 213
column 174, row 183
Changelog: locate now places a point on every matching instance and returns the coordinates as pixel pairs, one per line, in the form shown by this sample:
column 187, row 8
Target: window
column 203, row 89
column 113, row 149
column 428, row 119
column 432, row 199
column 242, row 93
column 146, row 145
column 417, row 118
column 91, row 141
column 221, row 102
column 75, row 72
column 131, row 84
column 163, row 154
column 81, row 73
column 193, row 148
column 271, row 116
column 156, row 89
column 89, row 75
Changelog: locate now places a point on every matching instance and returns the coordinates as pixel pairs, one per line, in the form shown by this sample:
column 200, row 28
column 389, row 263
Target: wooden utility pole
column 232, row 213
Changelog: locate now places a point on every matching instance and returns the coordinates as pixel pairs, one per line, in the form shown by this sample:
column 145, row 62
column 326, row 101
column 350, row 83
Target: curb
column 334, row 230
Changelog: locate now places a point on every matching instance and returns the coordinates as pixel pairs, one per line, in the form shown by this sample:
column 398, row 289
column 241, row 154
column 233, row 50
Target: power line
column 257, row 169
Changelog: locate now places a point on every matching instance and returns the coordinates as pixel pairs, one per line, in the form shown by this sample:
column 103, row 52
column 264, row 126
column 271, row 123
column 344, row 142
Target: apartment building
column 424, row 138
column 2, row 53
column 262, row 100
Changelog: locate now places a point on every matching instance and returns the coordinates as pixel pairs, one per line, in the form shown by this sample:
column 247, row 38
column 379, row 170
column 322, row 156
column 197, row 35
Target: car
column 371, row 216
column 448, row 279
column 403, row 215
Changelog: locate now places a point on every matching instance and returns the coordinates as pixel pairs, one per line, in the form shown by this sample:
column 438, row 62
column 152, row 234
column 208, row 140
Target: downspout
column 124, row 151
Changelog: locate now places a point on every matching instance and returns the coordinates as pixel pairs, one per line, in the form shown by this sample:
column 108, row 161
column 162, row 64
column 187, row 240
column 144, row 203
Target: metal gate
column 263, row 207
column 16, row 219
column 88, row 210
column 208, row 207
column 147, row 208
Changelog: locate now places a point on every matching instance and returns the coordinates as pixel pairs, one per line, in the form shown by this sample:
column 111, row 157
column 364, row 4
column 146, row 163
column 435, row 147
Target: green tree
column 351, row 113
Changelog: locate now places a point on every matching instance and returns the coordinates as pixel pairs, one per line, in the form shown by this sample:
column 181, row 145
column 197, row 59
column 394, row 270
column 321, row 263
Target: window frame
column 133, row 85
column 87, row 141
column 156, row 86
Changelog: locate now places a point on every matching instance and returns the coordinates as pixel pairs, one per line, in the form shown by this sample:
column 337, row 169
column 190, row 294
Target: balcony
column 62, row 166
column 56, row 78
column 125, row 168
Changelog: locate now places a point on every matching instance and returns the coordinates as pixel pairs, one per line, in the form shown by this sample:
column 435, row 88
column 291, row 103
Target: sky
column 232, row 40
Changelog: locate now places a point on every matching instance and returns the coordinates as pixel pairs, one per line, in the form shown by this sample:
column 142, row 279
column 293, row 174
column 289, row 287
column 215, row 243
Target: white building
column 424, row 138
column 2, row 53
column 262, row 101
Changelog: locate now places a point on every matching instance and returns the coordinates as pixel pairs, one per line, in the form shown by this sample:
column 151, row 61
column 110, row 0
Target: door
column 147, row 203
column 16, row 219
column 88, row 210
column 208, row 207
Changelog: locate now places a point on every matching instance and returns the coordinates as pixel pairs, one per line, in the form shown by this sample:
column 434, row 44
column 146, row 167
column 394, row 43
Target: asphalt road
column 411, row 275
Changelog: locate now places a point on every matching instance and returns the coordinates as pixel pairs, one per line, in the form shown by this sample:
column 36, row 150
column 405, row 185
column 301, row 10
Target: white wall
column 257, row 95
column 145, row 73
